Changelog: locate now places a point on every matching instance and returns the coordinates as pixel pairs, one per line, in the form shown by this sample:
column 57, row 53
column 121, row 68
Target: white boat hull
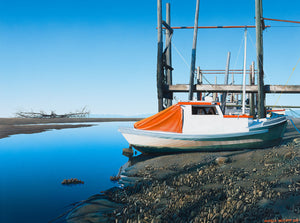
column 266, row 134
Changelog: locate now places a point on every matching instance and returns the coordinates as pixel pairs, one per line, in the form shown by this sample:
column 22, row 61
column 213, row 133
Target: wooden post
column 244, row 75
column 193, row 61
column 199, row 81
column 224, row 95
column 215, row 93
column 252, row 82
column 168, row 52
column 160, row 71
column 232, row 94
column 259, row 53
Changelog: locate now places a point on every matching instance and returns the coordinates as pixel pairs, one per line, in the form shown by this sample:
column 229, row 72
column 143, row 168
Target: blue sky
column 64, row 55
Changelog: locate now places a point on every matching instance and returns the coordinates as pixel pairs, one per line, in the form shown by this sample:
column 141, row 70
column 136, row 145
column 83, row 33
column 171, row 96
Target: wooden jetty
column 165, row 88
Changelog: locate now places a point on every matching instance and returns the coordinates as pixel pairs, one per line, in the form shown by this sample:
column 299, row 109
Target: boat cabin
column 195, row 118
column 196, row 115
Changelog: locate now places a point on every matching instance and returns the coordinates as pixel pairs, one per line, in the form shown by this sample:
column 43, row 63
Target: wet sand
column 13, row 126
column 244, row 186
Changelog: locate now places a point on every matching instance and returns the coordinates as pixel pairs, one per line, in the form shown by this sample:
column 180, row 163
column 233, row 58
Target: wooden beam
column 275, row 89
column 213, row 27
column 270, row 106
column 286, row 89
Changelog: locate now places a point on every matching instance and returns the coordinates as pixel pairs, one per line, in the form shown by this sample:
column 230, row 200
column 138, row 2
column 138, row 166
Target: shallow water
column 33, row 166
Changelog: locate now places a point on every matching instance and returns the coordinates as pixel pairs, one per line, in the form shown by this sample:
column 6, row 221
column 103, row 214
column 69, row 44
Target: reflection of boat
column 201, row 126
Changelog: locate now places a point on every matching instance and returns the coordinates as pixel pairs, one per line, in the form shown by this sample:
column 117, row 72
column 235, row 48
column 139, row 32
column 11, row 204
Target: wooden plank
column 287, row 89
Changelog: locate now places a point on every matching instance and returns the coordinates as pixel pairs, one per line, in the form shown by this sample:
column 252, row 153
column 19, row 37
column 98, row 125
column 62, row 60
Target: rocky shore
column 245, row 186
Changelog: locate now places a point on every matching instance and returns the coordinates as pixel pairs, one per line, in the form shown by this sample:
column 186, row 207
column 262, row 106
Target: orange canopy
column 168, row 120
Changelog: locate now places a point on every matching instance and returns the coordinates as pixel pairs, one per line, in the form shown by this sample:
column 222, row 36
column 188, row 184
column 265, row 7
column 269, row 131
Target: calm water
column 33, row 166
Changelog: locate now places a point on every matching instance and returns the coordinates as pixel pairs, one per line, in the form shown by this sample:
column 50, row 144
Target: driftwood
column 80, row 114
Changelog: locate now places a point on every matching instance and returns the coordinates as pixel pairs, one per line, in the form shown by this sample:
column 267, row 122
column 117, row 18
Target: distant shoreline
column 14, row 126
column 24, row 121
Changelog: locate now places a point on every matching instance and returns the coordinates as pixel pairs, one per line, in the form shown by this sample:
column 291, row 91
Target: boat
column 279, row 111
column 201, row 126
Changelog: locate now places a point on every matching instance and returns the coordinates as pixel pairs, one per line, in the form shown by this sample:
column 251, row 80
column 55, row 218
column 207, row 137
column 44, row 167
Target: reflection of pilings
column 168, row 52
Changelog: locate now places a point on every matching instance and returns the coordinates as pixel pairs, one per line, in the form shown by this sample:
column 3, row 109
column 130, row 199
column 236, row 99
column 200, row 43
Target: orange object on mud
column 168, row 120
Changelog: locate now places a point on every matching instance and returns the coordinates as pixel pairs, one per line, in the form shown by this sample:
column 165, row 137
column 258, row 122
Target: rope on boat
column 294, row 126
column 294, row 113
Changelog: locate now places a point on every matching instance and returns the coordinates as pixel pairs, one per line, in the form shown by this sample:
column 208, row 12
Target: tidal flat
column 14, row 126
column 243, row 186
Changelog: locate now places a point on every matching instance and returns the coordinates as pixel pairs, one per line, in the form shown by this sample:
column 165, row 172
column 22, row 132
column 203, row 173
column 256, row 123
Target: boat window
column 203, row 110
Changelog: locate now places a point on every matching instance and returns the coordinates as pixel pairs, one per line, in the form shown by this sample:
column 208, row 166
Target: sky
column 63, row 55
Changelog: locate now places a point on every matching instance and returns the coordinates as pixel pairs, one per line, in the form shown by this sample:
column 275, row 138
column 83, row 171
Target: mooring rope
column 294, row 125
column 294, row 114
column 294, row 68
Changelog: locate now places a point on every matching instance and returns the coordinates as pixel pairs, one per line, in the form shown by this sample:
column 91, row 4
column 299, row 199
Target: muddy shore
column 13, row 126
column 244, row 186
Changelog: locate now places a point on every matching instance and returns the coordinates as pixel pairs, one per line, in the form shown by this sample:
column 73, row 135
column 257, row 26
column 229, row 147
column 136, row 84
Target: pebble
column 288, row 155
column 221, row 160
column 296, row 140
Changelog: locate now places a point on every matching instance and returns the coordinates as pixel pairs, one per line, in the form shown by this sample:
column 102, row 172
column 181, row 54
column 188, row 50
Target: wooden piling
column 215, row 93
column 199, row 81
column 224, row 95
column 193, row 61
column 252, row 82
column 259, row 53
column 168, row 52
column 244, row 75
column 232, row 94
column 160, row 72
